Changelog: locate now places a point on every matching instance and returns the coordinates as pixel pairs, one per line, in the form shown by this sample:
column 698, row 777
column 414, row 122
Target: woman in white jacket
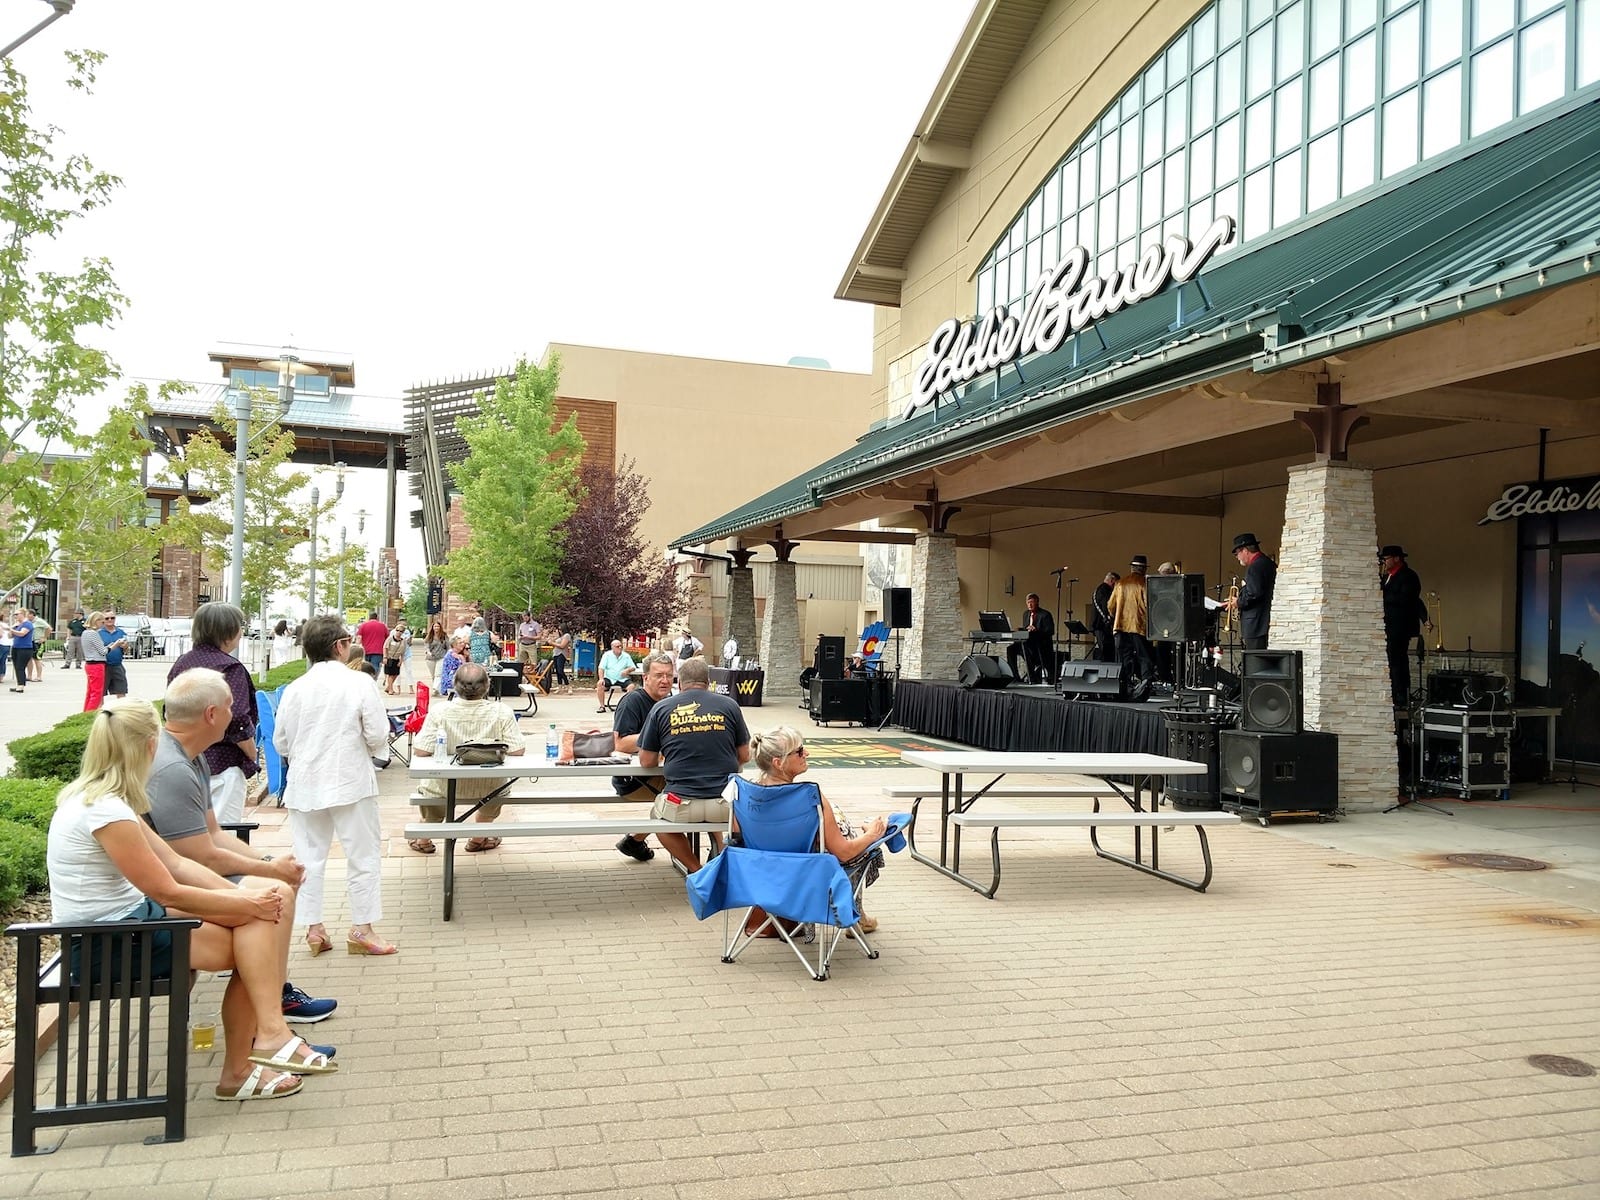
column 330, row 726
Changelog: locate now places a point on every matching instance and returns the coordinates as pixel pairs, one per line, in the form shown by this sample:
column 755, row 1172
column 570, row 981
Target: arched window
column 1266, row 110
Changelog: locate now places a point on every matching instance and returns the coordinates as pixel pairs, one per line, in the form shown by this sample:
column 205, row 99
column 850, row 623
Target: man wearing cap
column 1130, row 618
column 1254, row 603
column 1403, row 615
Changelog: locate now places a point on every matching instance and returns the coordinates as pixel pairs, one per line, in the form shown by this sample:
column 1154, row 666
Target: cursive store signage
column 1065, row 300
column 1545, row 498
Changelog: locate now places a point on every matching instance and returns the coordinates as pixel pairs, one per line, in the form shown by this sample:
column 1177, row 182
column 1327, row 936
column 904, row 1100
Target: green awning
column 1513, row 218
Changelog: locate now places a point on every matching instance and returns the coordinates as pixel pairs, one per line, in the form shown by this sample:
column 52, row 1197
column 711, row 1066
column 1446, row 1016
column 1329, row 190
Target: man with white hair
column 198, row 708
column 616, row 669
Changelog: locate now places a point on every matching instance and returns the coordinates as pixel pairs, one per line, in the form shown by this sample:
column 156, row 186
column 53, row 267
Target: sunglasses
column 801, row 752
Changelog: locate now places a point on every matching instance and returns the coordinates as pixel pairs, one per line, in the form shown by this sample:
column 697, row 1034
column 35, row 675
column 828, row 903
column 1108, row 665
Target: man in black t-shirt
column 700, row 739
column 626, row 723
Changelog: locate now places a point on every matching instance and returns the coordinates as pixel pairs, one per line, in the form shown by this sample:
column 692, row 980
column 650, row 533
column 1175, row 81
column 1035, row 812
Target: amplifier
column 840, row 700
column 1466, row 689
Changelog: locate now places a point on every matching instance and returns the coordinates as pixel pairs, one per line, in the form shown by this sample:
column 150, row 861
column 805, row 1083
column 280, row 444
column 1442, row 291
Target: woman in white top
column 107, row 864
column 329, row 728
column 282, row 642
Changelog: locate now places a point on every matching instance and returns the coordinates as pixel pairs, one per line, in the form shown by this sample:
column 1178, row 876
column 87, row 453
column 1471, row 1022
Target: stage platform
column 1027, row 718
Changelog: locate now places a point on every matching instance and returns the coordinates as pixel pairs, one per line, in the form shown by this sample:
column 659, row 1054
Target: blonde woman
column 94, row 661
column 107, row 864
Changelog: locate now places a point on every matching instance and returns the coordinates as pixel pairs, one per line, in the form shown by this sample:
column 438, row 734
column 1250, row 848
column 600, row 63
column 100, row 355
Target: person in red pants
column 94, row 662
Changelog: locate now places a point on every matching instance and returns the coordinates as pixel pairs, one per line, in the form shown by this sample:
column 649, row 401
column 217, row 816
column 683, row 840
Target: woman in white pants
column 329, row 727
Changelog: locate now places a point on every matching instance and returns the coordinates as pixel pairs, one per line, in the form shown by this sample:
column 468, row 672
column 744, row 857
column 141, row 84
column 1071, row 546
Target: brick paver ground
column 1322, row 1023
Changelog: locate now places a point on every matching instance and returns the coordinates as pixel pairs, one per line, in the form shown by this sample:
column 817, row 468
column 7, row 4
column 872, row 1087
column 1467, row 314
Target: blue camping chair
column 271, row 760
column 780, row 865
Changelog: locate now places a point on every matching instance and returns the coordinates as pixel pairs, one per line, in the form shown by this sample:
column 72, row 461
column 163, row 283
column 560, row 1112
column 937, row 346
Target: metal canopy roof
column 1513, row 218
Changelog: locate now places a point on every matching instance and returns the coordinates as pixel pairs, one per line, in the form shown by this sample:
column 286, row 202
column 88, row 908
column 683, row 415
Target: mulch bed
column 35, row 908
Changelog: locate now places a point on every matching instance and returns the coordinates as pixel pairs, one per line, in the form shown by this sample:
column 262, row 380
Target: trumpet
column 1229, row 612
column 1438, row 622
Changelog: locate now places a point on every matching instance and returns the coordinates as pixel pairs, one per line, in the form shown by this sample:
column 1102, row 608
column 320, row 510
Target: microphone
column 1059, row 571
column 1074, row 580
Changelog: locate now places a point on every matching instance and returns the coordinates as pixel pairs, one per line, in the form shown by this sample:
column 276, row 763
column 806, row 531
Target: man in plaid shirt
column 470, row 717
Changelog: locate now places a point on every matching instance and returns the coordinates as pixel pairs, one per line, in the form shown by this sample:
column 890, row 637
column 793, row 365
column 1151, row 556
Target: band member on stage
column 1130, row 619
column 1100, row 619
column 1403, row 616
column 1255, row 594
column 1040, row 648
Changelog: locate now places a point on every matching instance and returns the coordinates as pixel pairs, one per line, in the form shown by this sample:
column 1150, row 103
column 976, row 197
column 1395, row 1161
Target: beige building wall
column 711, row 435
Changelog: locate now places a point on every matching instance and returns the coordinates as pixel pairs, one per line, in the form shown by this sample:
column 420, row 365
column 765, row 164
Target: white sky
column 436, row 188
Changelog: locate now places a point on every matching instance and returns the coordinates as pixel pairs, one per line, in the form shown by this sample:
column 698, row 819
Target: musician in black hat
column 1403, row 616
column 1130, row 622
column 1254, row 603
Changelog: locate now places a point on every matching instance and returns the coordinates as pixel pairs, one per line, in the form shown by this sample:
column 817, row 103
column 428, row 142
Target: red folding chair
column 410, row 724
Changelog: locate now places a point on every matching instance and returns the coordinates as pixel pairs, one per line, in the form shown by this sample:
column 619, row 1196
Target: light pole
column 316, row 498
column 62, row 8
column 341, row 572
column 288, row 365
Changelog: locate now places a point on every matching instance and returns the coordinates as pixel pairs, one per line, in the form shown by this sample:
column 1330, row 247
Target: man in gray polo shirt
column 198, row 709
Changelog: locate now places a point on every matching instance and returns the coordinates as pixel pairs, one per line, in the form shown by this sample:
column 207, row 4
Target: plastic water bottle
column 438, row 746
column 552, row 743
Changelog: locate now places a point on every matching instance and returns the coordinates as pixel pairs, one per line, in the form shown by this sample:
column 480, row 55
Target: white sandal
column 257, row 1086
column 283, row 1058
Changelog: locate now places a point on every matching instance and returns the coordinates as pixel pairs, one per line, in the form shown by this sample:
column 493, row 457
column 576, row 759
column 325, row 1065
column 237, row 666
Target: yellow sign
column 748, row 686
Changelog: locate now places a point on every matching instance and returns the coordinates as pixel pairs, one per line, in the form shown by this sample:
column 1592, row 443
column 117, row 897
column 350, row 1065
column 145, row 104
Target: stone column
column 780, row 634
column 1327, row 604
column 741, row 624
column 933, row 645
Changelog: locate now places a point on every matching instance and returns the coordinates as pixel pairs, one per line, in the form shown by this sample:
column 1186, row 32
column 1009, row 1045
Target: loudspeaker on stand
column 1272, row 695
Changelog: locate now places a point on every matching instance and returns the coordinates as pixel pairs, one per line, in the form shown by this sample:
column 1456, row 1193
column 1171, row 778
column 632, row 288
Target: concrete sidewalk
column 1341, row 1015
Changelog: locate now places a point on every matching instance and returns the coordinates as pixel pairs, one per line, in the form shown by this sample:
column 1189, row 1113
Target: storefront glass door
column 1575, row 649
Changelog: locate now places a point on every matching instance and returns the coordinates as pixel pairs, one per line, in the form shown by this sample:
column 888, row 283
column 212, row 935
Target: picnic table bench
column 956, row 806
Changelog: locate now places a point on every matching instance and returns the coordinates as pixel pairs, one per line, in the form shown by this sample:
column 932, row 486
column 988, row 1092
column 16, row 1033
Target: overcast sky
column 436, row 188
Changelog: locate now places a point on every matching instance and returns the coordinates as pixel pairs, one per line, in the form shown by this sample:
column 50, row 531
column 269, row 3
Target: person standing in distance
column 1100, row 619
column 1254, row 602
column 1403, row 617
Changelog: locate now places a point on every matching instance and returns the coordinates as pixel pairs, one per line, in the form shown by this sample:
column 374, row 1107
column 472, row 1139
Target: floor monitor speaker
column 1177, row 610
column 1280, row 772
column 830, row 657
column 1271, row 696
column 897, row 607
column 1094, row 679
column 982, row 671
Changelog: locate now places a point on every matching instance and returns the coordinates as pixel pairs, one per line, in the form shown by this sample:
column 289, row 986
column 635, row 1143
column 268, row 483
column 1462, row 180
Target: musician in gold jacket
column 1130, row 621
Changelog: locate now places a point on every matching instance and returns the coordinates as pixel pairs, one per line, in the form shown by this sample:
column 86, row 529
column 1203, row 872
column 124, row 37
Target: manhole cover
column 1558, row 1064
column 1496, row 862
column 1560, row 922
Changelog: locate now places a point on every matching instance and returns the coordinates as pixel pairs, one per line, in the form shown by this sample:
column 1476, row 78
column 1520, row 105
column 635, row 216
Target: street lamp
column 316, row 500
column 288, row 365
column 61, row 7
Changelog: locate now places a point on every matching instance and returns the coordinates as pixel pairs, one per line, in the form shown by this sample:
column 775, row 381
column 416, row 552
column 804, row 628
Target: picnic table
column 1143, row 771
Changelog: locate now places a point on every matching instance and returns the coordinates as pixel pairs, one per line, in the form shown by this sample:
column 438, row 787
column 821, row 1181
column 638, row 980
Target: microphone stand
column 1055, row 640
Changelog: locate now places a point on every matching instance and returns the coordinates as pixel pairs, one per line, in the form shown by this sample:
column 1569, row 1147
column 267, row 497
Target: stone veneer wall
column 1327, row 604
column 933, row 645
column 780, row 635
column 741, row 623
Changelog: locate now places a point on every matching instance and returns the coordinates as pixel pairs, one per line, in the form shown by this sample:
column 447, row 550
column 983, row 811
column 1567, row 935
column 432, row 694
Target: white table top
column 957, row 762
column 531, row 766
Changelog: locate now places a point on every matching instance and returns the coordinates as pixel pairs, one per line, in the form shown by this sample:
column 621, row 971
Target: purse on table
column 587, row 743
column 480, row 754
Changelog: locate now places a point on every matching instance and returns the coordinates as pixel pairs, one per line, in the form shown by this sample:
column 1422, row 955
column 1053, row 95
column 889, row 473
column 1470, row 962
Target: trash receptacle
column 1193, row 734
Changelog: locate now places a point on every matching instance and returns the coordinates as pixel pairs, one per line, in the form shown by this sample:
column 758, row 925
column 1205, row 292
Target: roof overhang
column 940, row 147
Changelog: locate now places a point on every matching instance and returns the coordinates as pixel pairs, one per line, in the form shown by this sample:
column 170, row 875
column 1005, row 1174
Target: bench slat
column 1087, row 819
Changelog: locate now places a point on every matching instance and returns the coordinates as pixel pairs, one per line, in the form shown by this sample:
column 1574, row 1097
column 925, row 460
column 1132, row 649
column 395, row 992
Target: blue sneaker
column 301, row 1009
column 326, row 1051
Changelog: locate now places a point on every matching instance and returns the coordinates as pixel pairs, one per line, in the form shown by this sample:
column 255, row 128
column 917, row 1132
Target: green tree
column 416, row 606
column 56, row 483
column 275, row 526
column 519, row 484
column 361, row 588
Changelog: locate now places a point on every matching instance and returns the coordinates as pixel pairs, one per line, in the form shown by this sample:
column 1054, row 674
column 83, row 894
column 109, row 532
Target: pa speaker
column 897, row 607
column 1272, row 698
column 1280, row 772
column 830, row 658
column 982, row 671
column 1177, row 607
column 1086, row 678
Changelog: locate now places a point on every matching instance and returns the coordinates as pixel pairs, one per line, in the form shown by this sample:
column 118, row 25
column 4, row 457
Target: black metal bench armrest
column 241, row 829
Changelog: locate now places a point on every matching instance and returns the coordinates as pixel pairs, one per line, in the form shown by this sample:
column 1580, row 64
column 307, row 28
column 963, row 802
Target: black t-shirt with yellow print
column 698, row 734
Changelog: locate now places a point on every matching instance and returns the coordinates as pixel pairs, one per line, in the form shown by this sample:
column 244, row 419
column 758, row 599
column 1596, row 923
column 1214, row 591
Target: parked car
column 170, row 636
column 141, row 639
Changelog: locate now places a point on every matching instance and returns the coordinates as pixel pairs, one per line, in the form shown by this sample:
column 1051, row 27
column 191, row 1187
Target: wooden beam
column 892, row 537
column 1030, row 497
column 1480, row 404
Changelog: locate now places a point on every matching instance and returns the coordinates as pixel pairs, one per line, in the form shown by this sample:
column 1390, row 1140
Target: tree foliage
column 361, row 588
column 56, row 483
column 416, row 605
column 519, row 484
column 276, row 528
column 616, row 583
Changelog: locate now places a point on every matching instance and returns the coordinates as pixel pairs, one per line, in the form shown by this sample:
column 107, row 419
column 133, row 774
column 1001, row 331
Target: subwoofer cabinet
column 844, row 700
column 1467, row 751
column 1272, row 774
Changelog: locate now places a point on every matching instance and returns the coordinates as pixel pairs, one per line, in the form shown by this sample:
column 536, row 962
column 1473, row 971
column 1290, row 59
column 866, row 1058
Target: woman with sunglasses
column 780, row 755
column 330, row 725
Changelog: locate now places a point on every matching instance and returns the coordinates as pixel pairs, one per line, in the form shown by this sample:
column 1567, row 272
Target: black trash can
column 1193, row 735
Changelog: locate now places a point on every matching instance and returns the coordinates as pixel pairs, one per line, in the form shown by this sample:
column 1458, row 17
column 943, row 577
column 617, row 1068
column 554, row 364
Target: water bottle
column 552, row 744
column 438, row 746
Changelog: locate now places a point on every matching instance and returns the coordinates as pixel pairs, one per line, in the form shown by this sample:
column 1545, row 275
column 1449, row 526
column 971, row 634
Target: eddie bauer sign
column 1064, row 301
column 1546, row 498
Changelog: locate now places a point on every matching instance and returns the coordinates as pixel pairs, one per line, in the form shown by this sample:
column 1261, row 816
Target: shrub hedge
column 54, row 754
column 26, row 806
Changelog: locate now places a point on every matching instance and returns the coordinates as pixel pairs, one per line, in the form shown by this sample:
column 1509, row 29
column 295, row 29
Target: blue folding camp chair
column 780, row 866
column 267, row 719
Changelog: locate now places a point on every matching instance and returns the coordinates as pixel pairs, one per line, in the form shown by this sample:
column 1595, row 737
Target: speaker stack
column 829, row 660
column 1177, row 608
column 983, row 671
column 1272, row 765
column 897, row 607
